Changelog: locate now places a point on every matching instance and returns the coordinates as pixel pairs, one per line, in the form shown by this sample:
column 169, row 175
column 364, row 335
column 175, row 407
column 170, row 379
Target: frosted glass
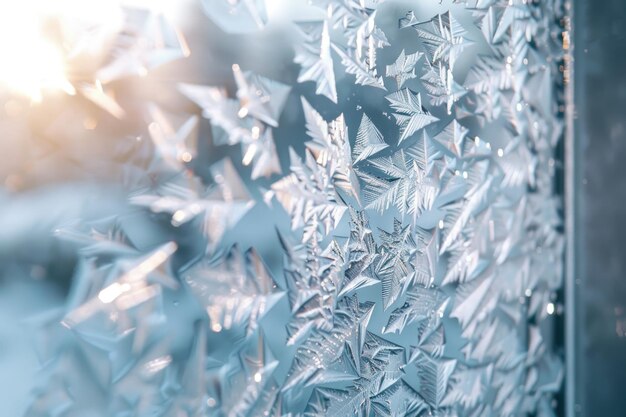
column 335, row 208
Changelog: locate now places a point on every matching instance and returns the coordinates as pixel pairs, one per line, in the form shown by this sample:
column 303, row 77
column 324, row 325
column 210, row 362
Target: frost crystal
column 315, row 59
column 342, row 250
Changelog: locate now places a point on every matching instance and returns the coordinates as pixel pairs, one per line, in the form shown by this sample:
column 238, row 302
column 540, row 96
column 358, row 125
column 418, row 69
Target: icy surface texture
column 378, row 232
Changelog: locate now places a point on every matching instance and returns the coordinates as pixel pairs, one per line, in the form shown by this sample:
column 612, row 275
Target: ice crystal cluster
column 379, row 236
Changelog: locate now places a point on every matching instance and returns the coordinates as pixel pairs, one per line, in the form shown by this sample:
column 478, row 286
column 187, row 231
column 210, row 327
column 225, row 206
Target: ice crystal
column 375, row 251
column 309, row 196
column 236, row 289
column 444, row 38
column 369, row 140
column 441, row 86
column 314, row 56
column 175, row 144
column 410, row 114
column 314, row 360
column 236, row 16
column 363, row 73
column 362, row 255
column 398, row 181
column 404, row 68
column 331, row 149
column 248, row 119
column 186, row 198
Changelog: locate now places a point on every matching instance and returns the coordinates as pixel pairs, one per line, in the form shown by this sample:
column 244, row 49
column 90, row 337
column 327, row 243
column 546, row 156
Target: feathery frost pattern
column 378, row 232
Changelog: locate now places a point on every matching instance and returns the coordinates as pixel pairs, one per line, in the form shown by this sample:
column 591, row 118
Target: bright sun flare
column 40, row 39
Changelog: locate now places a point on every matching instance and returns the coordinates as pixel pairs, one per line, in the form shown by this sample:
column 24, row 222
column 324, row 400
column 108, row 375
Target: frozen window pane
column 331, row 208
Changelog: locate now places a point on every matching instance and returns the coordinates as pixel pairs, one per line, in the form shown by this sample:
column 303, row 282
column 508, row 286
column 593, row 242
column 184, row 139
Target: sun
column 29, row 61
column 42, row 41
